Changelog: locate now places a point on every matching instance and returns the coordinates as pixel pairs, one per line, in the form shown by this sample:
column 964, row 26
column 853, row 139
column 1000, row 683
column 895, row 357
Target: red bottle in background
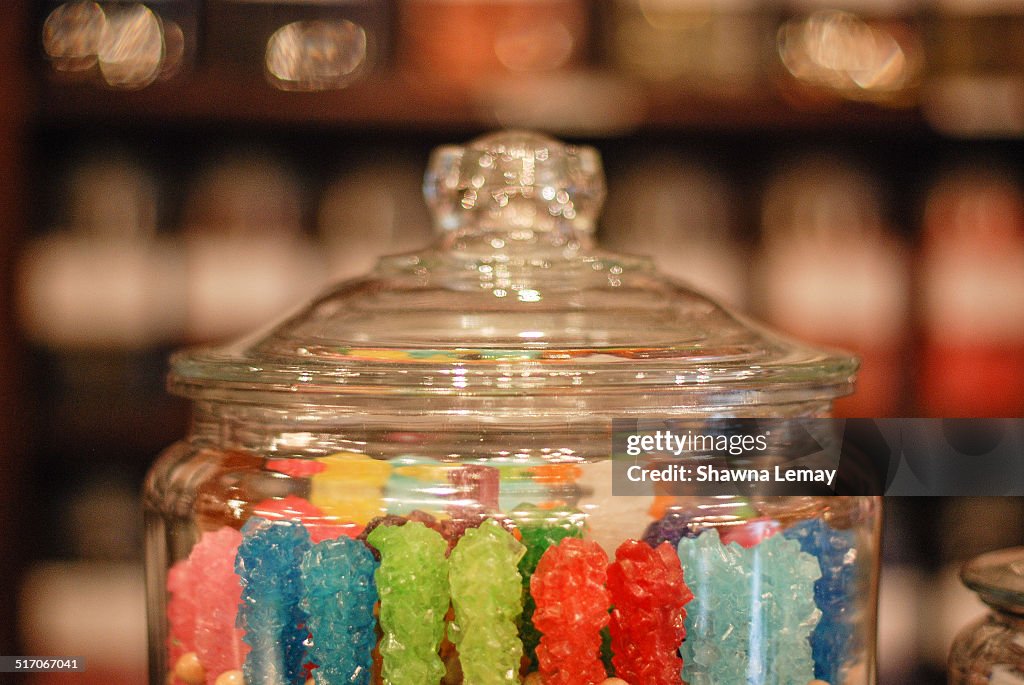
column 831, row 272
column 972, row 296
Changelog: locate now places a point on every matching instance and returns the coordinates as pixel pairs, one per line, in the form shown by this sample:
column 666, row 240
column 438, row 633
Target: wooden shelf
column 586, row 103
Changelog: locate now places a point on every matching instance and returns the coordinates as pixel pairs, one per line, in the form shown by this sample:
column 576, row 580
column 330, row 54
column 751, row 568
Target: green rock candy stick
column 412, row 582
column 487, row 594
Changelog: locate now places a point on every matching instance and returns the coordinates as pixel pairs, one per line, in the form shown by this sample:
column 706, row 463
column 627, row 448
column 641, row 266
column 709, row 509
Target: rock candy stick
column 412, row 581
column 538, row 533
column 647, row 622
column 487, row 595
column 275, row 625
column 339, row 596
column 219, row 642
column 572, row 608
column 752, row 613
column 835, row 637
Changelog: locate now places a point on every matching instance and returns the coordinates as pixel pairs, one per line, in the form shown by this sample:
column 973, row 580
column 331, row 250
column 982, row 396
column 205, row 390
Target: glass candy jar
column 409, row 481
column 991, row 650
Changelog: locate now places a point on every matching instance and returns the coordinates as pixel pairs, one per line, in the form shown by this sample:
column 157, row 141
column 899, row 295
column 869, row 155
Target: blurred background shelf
column 400, row 102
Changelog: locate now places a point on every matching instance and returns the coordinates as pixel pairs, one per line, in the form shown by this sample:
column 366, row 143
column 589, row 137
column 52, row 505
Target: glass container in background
column 680, row 213
column 451, row 413
column 831, row 270
column 716, row 45
column 247, row 256
column 991, row 650
column 362, row 219
column 123, row 45
column 976, row 65
column 463, row 41
column 299, row 44
column 972, row 285
column 104, row 280
column 860, row 50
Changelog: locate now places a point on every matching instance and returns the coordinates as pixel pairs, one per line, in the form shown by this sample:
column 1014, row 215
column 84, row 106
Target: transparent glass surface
column 409, row 481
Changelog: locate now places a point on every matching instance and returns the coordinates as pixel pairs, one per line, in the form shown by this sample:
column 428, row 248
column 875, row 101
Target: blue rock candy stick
column 752, row 612
column 835, row 638
column 413, row 584
column 339, row 595
column 268, row 564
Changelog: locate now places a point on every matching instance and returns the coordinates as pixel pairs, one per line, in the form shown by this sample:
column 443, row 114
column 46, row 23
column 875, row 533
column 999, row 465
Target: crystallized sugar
column 834, row 638
column 572, row 608
column 340, row 594
column 219, row 644
column 647, row 622
column 487, row 594
column 538, row 534
column 274, row 623
column 752, row 613
column 413, row 584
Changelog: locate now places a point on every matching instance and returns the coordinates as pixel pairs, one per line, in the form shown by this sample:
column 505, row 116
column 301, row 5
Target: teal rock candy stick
column 752, row 613
column 412, row 582
column 487, row 595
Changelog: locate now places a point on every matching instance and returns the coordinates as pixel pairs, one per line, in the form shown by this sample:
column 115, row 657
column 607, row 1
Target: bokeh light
column 131, row 50
column 842, row 52
column 316, row 55
column 71, row 35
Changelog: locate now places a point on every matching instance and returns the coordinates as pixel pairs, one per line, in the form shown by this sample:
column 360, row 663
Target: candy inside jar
column 410, row 481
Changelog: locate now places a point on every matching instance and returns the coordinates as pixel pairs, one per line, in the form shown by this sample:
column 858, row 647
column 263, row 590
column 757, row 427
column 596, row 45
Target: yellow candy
column 189, row 669
column 351, row 487
column 430, row 473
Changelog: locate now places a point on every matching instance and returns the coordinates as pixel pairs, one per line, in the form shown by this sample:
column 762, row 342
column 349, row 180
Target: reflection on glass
column 316, row 55
column 841, row 51
column 71, row 35
column 131, row 49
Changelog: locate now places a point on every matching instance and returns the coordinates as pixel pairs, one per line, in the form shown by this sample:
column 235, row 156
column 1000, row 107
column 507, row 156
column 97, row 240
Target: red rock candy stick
column 572, row 608
column 647, row 623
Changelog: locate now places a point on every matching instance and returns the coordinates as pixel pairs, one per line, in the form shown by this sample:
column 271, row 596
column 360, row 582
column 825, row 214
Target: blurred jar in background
column 976, row 67
column 248, row 260
column 466, row 40
column 361, row 219
column 124, row 45
column 103, row 280
column 989, row 649
column 972, row 285
column 719, row 45
column 861, row 50
column 830, row 271
column 299, row 44
column 681, row 214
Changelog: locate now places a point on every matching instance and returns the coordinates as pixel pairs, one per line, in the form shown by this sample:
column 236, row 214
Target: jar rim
column 998, row 578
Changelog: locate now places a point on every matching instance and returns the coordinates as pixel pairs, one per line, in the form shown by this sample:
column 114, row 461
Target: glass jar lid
column 514, row 302
column 998, row 578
